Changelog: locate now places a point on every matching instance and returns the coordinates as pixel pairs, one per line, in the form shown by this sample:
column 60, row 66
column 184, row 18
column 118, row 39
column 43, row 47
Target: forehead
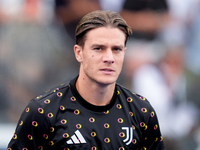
column 103, row 35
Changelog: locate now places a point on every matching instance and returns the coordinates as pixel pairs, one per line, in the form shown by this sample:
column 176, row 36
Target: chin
column 107, row 81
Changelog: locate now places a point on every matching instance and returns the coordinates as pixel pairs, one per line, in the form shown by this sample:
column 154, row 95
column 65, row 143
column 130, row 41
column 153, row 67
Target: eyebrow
column 101, row 45
column 118, row 46
column 97, row 45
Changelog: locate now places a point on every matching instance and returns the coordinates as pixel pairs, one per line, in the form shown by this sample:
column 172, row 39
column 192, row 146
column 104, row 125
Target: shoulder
column 51, row 96
column 139, row 107
column 47, row 106
column 131, row 96
column 136, row 103
column 48, row 103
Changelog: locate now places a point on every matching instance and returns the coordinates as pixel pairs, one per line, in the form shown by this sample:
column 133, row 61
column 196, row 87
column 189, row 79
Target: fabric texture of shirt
column 61, row 119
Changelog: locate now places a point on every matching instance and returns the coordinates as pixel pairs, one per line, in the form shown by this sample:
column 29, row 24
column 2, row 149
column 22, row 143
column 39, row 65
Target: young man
column 91, row 112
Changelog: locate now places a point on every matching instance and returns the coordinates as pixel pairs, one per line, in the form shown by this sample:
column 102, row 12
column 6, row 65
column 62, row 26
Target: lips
column 107, row 71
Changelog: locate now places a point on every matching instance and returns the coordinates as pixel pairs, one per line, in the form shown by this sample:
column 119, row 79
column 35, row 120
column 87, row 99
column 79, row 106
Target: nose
column 108, row 57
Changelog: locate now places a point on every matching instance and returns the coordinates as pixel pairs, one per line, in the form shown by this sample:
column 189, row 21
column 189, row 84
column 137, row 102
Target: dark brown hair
column 100, row 18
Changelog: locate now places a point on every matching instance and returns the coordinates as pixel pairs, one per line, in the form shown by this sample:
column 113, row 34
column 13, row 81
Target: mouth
column 107, row 70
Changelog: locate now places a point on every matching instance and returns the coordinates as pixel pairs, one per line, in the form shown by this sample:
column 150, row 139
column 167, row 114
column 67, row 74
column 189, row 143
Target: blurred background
column 162, row 61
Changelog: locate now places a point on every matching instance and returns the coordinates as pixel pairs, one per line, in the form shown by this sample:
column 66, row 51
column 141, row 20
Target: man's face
column 102, row 57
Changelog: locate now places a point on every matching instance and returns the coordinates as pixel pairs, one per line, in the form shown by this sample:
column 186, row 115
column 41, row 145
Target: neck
column 95, row 93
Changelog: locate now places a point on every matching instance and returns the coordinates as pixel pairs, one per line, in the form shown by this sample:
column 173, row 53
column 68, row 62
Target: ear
column 78, row 53
column 125, row 49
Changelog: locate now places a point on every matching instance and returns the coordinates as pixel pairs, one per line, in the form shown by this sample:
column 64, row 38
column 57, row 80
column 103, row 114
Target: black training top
column 61, row 119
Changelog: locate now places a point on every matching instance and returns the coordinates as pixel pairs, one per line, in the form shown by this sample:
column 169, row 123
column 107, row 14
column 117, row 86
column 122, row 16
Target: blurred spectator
column 164, row 84
column 185, row 21
column 69, row 12
column 147, row 18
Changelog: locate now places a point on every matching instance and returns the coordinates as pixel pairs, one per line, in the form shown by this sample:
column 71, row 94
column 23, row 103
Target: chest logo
column 76, row 138
column 129, row 135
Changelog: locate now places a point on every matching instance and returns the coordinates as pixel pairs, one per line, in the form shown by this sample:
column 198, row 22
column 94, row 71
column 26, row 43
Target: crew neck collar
column 88, row 105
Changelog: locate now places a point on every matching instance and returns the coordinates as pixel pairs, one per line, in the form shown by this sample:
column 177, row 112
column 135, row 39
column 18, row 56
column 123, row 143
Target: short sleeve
column 32, row 129
column 152, row 138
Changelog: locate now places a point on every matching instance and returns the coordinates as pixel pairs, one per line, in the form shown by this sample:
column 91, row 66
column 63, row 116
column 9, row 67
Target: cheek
column 90, row 62
column 120, row 60
column 120, row 63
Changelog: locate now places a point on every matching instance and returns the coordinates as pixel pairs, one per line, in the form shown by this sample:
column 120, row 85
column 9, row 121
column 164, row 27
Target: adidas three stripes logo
column 77, row 138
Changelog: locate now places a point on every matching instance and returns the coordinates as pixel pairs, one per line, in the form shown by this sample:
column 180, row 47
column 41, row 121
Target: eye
column 117, row 49
column 98, row 48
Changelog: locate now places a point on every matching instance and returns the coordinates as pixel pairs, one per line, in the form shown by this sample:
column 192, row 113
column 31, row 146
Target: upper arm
column 152, row 138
